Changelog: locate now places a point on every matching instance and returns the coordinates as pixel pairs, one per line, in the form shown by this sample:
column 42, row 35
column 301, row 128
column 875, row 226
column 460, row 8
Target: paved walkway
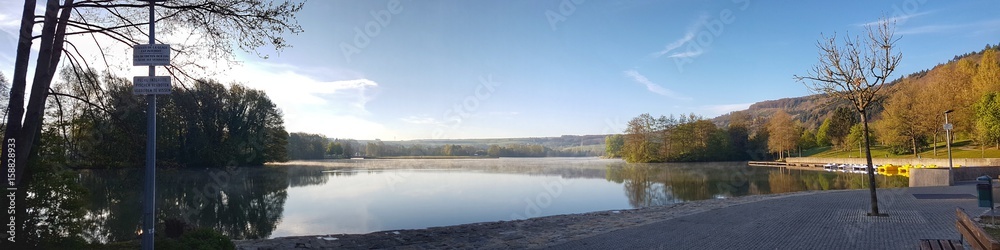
column 826, row 220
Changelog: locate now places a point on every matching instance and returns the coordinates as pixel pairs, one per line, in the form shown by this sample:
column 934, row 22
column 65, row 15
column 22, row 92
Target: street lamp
column 947, row 138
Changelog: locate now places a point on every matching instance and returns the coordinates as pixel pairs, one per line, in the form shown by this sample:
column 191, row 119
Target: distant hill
column 557, row 143
column 813, row 109
column 810, row 110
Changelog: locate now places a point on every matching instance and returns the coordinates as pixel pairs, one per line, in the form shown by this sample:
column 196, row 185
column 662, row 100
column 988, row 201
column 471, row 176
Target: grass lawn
column 993, row 232
column 961, row 149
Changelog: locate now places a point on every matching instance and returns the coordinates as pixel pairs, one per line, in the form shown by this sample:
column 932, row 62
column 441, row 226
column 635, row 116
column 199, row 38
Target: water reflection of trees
column 301, row 176
column 243, row 203
column 641, row 184
column 660, row 184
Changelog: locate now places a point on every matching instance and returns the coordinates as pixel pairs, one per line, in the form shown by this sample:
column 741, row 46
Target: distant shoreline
column 431, row 157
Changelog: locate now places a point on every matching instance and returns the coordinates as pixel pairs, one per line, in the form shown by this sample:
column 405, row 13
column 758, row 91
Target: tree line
column 204, row 125
column 914, row 112
column 683, row 139
column 908, row 119
column 306, row 146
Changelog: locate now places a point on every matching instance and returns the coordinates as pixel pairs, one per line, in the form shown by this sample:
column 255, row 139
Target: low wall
column 976, row 162
column 930, row 177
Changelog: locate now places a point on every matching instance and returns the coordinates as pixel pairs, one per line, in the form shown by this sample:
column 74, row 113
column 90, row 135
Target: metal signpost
column 151, row 55
column 151, row 85
column 947, row 138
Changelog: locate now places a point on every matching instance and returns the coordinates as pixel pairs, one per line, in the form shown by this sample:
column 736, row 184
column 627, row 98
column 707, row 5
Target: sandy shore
column 530, row 233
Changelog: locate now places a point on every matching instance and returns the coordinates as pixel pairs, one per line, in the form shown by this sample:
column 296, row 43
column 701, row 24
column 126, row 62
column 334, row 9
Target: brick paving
column 824, row 220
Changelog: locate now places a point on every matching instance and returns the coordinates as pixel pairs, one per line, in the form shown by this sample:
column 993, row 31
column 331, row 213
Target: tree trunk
column 913, row 143
column 935, row 144
column 24, row 135
column 15, row 113
column 871, row 169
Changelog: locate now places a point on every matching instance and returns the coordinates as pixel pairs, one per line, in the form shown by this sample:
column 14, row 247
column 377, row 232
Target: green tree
column 822, row 134
column 807, row 140
column 242, row 24
column 304, row 146
column 987, row 112
column 613, row 145
column 739, row 133
column 335, row 148
column 841, row 121
column 856, row 137
column 494, row 151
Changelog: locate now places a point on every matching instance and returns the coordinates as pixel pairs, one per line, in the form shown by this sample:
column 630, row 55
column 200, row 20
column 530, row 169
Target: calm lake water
column 361, row 196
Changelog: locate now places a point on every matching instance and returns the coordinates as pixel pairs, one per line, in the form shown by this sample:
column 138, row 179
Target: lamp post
column 947, row 138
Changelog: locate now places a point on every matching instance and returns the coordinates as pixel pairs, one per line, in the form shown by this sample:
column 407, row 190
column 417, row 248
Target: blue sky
column 487, row 69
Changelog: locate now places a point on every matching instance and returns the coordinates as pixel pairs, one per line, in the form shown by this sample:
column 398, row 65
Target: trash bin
column 985, row 190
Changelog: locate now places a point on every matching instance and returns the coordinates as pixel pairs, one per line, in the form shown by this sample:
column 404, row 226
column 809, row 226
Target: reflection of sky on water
column 360, row 196
column 407, row 199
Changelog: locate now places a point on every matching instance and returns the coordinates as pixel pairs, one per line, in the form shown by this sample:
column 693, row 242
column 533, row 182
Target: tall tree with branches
column 204, row 31
column 857, row 71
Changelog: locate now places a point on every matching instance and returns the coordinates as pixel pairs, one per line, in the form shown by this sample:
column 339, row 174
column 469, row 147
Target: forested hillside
column 315, row 146
column 908, row 117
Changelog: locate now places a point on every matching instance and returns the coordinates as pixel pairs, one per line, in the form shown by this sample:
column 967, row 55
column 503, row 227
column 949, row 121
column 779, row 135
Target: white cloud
column 419, row 120
column 651, row 86
column 676, row 44
column 981, row 26
column 686, row 54
column 335, row 108
column 334, row 104
column 898, row 20
column 688, row 36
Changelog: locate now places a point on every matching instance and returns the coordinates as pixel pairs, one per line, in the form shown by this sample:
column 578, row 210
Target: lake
column 361, row 196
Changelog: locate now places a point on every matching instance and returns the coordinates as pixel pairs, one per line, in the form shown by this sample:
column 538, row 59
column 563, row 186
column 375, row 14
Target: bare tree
column 857, row 71
column 208, row 29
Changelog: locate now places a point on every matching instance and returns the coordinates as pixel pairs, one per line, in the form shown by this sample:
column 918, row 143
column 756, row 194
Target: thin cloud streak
column 939, row 28
column 651, row 86
column 419, row 120
column 687, row 54
column 676, row 44
column 688, row 36
column 899, row 20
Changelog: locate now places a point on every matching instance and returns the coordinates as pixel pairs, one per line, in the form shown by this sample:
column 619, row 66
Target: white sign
column 151, row 55
column 948, row 126
column 151, row 85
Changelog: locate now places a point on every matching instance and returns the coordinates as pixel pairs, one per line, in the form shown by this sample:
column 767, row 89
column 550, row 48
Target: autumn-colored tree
column 784, row 134
column 987, row 78
column 639, row 136
column 957, row 84
column 905, row 118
